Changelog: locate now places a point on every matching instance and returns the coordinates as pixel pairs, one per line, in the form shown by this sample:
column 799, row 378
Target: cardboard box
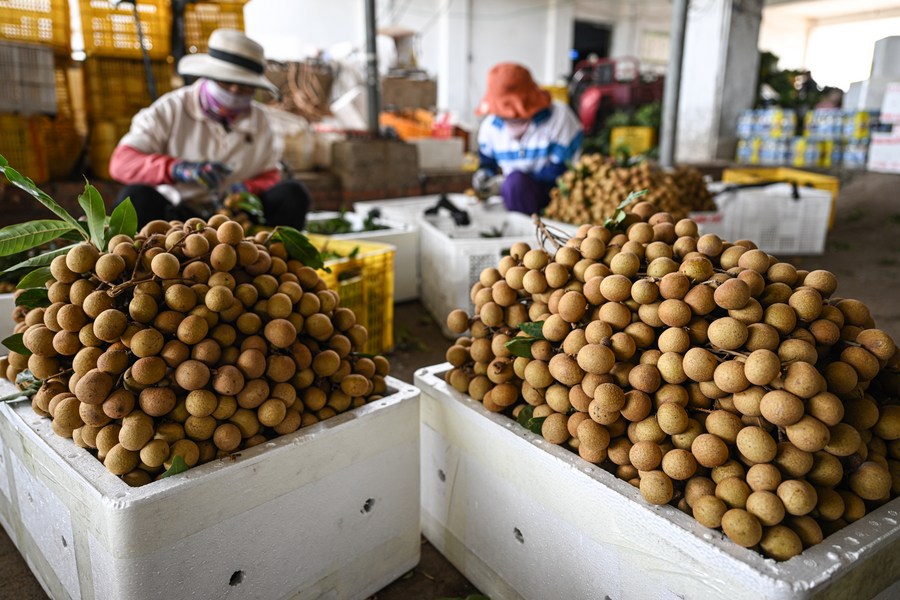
column 330, row 511
column 439, row 154
column 523, row 518
column 375, row 164
column 400, row 92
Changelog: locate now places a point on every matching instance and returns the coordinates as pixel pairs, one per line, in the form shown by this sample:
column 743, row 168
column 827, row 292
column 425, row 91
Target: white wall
column 785, row 36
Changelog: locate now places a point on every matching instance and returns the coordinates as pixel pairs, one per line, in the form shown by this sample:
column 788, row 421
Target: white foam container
column 522, row 518
column 453, row 257
column 403, row 236
column 771, row 217
column 7, row 306
column 330, row 511
column 411, row 210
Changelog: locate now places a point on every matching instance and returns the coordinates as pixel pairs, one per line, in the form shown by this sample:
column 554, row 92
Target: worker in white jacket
column 526, row 140
column 201, row 142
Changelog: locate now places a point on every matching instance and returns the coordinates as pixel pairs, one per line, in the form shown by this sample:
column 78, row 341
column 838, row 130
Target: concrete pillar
column 455, row 49
column 559, row 40
column 719, row 73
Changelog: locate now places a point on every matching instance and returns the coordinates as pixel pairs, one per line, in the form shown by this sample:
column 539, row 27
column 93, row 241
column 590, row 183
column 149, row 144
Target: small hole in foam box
column 367, row 506
column 236, row 578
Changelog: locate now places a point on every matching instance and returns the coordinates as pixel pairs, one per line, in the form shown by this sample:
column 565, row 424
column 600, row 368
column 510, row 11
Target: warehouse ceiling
column 834, row 9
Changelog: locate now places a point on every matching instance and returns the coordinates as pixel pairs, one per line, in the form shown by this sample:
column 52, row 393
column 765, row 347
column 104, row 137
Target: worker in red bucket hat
column 525, row 142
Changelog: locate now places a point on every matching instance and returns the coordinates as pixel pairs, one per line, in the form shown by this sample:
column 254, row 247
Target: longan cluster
column 593, row 188
column 189, row 340
column 709, row 374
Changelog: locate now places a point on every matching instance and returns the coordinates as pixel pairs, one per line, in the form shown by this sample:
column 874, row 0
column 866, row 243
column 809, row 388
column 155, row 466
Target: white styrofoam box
column 890, row 105
column 886, row 57
column 454, row 256
column 403, row 236
column 523, row 518
column 884, row 152
column 439, row 154
column 411, row 210
column 868, row 94
column 7, row 306
column 330, row 511
column 770, row 216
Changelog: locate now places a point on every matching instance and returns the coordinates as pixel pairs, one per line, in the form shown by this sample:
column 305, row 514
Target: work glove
column 486, row 183
column 237, row 188
column 208, row 174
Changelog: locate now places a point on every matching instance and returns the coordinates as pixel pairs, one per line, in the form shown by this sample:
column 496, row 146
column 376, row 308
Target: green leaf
column 122, row 221
column 27, row 382
column 525, row 415
column 41, row 260
column 251, row 204
column 178, row 466
column 535, row 330
column 299, row 247
column 15, row 344
column 534, row 425
column 631, row 198
column 520, row 346
column 34, row 298
column 25, row 236
column 24, row 183
column 95, row 211
column 36, row 278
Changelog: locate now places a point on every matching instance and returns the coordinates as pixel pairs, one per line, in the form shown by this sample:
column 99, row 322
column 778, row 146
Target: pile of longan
column 593, row 188
column 189, row 340
column 709, row 374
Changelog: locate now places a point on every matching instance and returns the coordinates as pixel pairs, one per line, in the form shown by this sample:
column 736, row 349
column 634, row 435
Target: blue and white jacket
column 553, row 138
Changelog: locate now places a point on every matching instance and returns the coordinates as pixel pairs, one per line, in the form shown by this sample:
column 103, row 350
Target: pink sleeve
column 263, row 181
column 128, row 165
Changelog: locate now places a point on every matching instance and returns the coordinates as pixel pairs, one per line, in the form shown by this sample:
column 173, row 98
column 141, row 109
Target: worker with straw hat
column 198, row 144
column 525, row 142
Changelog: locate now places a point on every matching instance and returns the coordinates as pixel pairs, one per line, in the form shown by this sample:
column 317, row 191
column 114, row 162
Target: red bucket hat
column 512, row 93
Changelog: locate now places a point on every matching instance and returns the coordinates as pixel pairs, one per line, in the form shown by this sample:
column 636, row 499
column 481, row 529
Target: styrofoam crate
column 330, row 511
column 523, row 518
column 412, row 210
column 7, row 306
column 778, row 223
column 454, row 256
column 403, row 236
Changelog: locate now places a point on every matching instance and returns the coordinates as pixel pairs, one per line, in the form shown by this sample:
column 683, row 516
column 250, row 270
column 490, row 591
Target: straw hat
column 232, row 57
column 512, row 93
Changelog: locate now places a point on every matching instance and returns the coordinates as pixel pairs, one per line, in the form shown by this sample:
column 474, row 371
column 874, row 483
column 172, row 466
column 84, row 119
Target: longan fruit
column 119, row 460
column 798, row 496
column 708, row 510
column 656, row 487
column 709, row 450
column 741, row 527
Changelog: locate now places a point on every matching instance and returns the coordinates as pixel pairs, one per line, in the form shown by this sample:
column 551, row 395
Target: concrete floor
column 863, row 250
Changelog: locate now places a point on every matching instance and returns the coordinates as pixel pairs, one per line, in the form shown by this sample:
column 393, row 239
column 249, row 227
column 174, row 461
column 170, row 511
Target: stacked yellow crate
column 115, row 81
column 31, row 33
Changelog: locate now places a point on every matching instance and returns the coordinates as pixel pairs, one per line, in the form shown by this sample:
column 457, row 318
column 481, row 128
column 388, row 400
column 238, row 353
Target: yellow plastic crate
column 202, row 18
column 36, row 21
column 365, row 284
column 110, row 30
column 557, row 92
column 22, row 144
column 798, row 176
column 116, row 88
column 638, row 140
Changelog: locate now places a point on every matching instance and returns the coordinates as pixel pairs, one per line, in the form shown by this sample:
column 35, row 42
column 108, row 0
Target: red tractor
column 601, row 86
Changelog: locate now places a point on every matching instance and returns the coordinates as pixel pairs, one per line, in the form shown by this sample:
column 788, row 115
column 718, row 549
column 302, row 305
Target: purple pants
column 523, row 193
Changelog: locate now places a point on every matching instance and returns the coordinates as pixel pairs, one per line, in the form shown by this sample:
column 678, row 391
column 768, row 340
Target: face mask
column 517, row 127
column 224, row 103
